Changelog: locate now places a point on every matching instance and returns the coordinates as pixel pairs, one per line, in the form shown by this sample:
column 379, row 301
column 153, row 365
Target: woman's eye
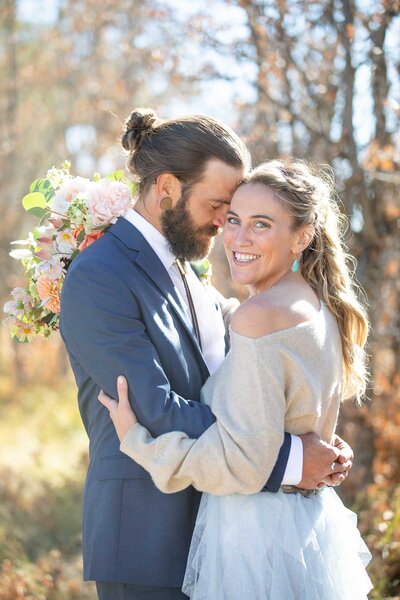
column 261, row 225
column 233, row 220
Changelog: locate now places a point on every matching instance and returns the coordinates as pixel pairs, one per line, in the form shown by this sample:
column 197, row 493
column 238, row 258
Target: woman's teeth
column 245, row 257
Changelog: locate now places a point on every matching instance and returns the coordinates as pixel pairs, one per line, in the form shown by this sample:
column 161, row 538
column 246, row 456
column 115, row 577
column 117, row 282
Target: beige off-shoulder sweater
column 289, row 380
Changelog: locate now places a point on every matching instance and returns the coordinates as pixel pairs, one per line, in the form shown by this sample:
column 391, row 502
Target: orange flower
column 90, row 238
column 49, row 289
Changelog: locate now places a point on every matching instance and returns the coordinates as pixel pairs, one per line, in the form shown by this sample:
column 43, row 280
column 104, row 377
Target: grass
column 42, row 467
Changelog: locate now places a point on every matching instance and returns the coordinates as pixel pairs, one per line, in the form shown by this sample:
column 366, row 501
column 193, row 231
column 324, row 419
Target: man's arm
column 101, row 324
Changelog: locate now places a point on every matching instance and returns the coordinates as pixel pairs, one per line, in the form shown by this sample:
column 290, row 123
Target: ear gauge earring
column 166, row 203
column 295, row 266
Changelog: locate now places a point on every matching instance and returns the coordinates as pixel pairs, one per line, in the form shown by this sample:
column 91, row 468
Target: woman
column 297, row 350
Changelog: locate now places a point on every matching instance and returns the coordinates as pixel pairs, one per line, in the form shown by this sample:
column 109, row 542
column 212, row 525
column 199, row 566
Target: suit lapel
column 148, row 261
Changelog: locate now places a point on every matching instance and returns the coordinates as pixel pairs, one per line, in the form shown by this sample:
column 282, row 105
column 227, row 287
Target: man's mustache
column 209, row 230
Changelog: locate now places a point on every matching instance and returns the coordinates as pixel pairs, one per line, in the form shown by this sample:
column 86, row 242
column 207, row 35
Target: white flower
column 56, row 177
column 23, row 331
column 51, row 269
column 10, row 307
column 69, row 190
column 21, row 295
column 46, row 231
column 13, row 309
column 59, row 204
column 65, row 242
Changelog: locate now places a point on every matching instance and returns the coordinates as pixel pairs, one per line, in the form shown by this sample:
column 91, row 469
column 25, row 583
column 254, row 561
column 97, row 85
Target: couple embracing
column 238, row 403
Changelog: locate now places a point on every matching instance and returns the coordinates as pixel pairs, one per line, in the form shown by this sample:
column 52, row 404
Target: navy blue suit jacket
column 120, row 314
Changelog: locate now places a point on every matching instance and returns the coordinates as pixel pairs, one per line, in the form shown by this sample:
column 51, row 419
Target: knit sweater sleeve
column 238, row 452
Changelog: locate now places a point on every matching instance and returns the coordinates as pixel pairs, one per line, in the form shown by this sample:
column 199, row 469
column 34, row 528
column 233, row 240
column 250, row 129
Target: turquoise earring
column 295, row 266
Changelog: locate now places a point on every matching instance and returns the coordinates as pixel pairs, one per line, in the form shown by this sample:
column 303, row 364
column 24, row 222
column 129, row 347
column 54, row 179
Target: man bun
column 137, row 127
column 181, row 146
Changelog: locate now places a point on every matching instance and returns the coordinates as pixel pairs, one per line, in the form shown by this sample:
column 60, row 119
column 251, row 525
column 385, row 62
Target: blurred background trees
column 316, row 79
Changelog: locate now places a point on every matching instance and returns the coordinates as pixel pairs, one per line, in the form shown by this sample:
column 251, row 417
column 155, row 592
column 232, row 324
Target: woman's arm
column 238, row 452
column 214, row 463
column 247, row 396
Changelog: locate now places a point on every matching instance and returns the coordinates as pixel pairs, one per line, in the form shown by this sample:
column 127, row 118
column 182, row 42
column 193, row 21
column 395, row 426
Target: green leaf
column 41, row 213
column 44, row 217
column 44, row 187
column 81, row 236
column 34, row 185
column 73, row 255
column 50, row 318
column 17, row 339
column 202, row 268
column 134, row 187
column 115, row 176
column 34, row 200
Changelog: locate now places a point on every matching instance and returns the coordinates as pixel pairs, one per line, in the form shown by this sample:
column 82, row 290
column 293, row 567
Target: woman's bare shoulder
column 271, row 311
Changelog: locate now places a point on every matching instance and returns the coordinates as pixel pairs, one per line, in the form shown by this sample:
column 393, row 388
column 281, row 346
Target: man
column 129, row 307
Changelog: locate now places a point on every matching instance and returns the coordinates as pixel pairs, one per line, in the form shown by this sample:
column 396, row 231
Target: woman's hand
column 121, row 412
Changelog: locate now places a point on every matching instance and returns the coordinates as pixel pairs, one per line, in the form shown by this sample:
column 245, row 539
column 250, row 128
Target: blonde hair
column 309, row 196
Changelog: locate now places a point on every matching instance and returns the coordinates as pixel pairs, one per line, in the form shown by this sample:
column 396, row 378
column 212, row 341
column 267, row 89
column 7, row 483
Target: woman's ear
column 167, row 186
column 304, row 238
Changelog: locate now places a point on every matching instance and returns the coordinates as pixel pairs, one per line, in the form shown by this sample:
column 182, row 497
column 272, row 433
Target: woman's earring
column 295, row 266
column 166, row 203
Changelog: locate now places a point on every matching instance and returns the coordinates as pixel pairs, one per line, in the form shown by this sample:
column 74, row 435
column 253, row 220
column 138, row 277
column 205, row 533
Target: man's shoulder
column 103, row 260
column 105, row 251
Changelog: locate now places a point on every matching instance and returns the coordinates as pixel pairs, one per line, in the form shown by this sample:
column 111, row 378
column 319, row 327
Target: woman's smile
column 244, row 258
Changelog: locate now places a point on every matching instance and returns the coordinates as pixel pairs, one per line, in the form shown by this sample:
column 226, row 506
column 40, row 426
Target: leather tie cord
column 195, row 322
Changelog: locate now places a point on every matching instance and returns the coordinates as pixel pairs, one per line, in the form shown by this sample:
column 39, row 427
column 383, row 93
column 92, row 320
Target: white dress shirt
column 210, row 322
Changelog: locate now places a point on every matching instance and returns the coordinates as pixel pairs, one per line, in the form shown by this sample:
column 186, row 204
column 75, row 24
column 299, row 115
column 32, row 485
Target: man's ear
column 168, row 186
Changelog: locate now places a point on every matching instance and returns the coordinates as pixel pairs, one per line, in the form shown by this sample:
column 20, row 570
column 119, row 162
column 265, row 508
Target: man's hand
column 345, row 458
column 323, row 463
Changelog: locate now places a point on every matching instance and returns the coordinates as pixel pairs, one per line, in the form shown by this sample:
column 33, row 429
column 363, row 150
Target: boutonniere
column 203, row 270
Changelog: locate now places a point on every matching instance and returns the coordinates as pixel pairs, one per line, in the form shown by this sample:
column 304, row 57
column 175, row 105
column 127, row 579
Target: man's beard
column 185, row 239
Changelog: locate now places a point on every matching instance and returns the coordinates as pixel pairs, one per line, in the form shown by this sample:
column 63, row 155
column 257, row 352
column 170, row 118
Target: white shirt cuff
column 294, row 468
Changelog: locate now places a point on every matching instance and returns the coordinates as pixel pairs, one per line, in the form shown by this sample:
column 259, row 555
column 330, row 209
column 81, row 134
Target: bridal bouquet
column 73, row 212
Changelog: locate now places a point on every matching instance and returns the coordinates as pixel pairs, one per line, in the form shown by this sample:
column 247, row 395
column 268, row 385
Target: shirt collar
column 153, row 237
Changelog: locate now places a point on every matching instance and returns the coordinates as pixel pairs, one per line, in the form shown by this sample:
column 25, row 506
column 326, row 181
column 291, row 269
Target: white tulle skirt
column 278, row 547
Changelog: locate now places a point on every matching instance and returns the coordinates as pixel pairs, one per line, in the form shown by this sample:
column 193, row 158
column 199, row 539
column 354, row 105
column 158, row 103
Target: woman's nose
column 242, row 237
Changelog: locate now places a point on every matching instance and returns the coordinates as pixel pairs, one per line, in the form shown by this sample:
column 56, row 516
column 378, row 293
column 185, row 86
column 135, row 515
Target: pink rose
column 107, row 200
